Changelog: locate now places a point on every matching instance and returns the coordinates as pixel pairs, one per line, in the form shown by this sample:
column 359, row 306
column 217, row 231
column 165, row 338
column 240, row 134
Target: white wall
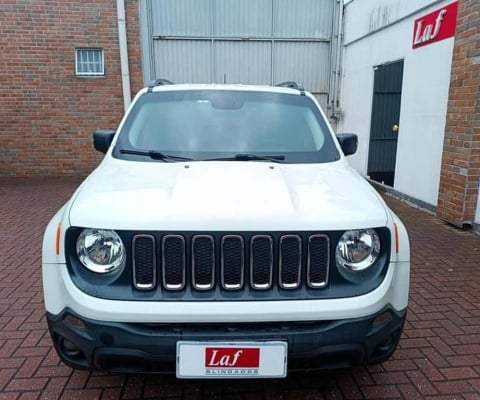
column 426, row 82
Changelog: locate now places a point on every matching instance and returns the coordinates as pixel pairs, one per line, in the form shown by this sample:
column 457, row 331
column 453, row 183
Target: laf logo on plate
column 232, row 357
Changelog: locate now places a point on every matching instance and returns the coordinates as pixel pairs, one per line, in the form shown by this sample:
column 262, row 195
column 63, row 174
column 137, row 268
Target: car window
column 219, row 122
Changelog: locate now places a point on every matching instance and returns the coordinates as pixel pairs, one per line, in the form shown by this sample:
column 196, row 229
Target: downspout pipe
column 122, row 40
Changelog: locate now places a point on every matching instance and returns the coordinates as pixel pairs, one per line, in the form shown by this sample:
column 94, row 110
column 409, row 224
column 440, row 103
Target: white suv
column 224, row 234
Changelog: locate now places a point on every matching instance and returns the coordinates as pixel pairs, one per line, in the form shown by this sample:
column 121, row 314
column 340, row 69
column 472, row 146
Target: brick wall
column 47, row 113
column 460, row 173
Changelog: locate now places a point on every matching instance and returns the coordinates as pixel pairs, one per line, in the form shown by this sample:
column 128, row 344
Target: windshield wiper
column 155, row 155
column 248, row 157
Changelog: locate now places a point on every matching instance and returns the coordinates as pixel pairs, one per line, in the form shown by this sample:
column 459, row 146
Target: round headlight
column 358, row 249
column 100, row 250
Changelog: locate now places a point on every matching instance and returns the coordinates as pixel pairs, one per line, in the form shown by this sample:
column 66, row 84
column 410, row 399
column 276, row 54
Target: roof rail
column 158, row 82
column 293, row 85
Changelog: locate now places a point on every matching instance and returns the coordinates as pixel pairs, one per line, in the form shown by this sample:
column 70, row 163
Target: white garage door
column 240, row 41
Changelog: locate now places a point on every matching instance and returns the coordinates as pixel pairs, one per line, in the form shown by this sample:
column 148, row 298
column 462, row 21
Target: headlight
column 100, row 250
column 358, row 249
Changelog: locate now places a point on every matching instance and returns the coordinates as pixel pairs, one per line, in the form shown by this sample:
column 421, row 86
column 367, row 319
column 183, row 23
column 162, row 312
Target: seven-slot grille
column 258, row 261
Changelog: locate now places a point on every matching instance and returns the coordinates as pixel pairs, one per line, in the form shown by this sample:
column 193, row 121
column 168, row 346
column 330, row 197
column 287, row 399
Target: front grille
column 144, row 262
column 318, row 258
column 173, row 262
column 261, row 262
column 233, row 262
column 290, row 261
column 203, row 262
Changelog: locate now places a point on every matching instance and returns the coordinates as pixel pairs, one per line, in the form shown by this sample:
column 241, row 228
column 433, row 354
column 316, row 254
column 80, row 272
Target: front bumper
column 133, row 347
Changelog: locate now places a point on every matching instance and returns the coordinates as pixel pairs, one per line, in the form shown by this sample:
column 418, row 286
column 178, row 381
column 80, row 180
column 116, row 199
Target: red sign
column 435, row 26
column 232, row 357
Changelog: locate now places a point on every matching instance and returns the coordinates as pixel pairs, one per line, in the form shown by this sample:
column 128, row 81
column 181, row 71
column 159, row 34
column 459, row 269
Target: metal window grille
column 89, row 62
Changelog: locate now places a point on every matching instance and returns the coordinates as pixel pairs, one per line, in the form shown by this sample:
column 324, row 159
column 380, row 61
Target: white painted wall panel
column 426, row 82
column 422, row 121
column 369, row 15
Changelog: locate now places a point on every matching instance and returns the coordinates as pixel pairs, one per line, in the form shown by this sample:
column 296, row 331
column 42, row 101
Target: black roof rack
column 293, row 85
column 158, row 82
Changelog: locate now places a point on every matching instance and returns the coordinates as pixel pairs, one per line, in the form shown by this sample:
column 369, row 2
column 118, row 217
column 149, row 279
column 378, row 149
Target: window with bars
column 89, row 62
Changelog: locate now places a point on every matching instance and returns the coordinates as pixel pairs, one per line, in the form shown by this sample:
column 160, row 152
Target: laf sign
column 436, row 26
column 231, row 357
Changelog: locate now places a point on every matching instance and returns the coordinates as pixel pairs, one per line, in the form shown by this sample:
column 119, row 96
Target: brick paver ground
column 438, row 358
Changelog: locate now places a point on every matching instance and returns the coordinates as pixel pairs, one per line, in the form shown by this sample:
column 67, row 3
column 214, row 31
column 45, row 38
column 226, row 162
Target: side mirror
column 348, row 143
column 102, row 139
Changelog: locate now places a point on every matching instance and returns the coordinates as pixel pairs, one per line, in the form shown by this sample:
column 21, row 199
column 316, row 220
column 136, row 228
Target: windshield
column 220, row 123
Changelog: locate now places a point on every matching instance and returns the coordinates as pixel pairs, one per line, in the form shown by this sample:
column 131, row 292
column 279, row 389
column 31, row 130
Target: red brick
column 54, row 388
column 380, row 392
column 390, row 378
column 423, row 367
column 467, row 360
column 349, row 388
column 78, row 380
column 362, row 377
column 400, row 365
column 459, row 373
column 454, row 387
column 105, row 381
column 9, row 396
column 59, row 370
column 26, row 384
column 429, row 369
column 421, row 382
column 29, row 367
column 52, row 106
column 409, row 391
column 5, row 376
column 112, row 394
column 91, row 394
column 29, row 395
column 458, row 201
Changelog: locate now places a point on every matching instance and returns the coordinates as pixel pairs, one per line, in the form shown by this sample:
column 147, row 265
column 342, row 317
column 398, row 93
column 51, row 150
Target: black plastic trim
column 119, row 285
column 128, row 347
column 158, row 82
column 293, row 85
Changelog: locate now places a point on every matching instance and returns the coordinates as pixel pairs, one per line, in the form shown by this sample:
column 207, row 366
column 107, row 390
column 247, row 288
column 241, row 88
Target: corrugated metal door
column 387, row 94
column 247, row 41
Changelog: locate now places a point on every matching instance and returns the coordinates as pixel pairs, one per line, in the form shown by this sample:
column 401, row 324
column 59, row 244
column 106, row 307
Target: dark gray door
column 387, row 95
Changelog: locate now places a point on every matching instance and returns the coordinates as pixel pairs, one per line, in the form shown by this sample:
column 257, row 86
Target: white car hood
column 226, row 196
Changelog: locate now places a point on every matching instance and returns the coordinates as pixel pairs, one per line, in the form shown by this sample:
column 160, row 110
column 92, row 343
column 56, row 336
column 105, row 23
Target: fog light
column 70, row 348
column 386, row 345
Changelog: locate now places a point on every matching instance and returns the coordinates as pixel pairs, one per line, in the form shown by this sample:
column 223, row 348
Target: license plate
column 231, row 359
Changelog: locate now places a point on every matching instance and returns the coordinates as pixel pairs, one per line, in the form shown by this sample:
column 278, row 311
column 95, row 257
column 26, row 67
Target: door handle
column 395, row 128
